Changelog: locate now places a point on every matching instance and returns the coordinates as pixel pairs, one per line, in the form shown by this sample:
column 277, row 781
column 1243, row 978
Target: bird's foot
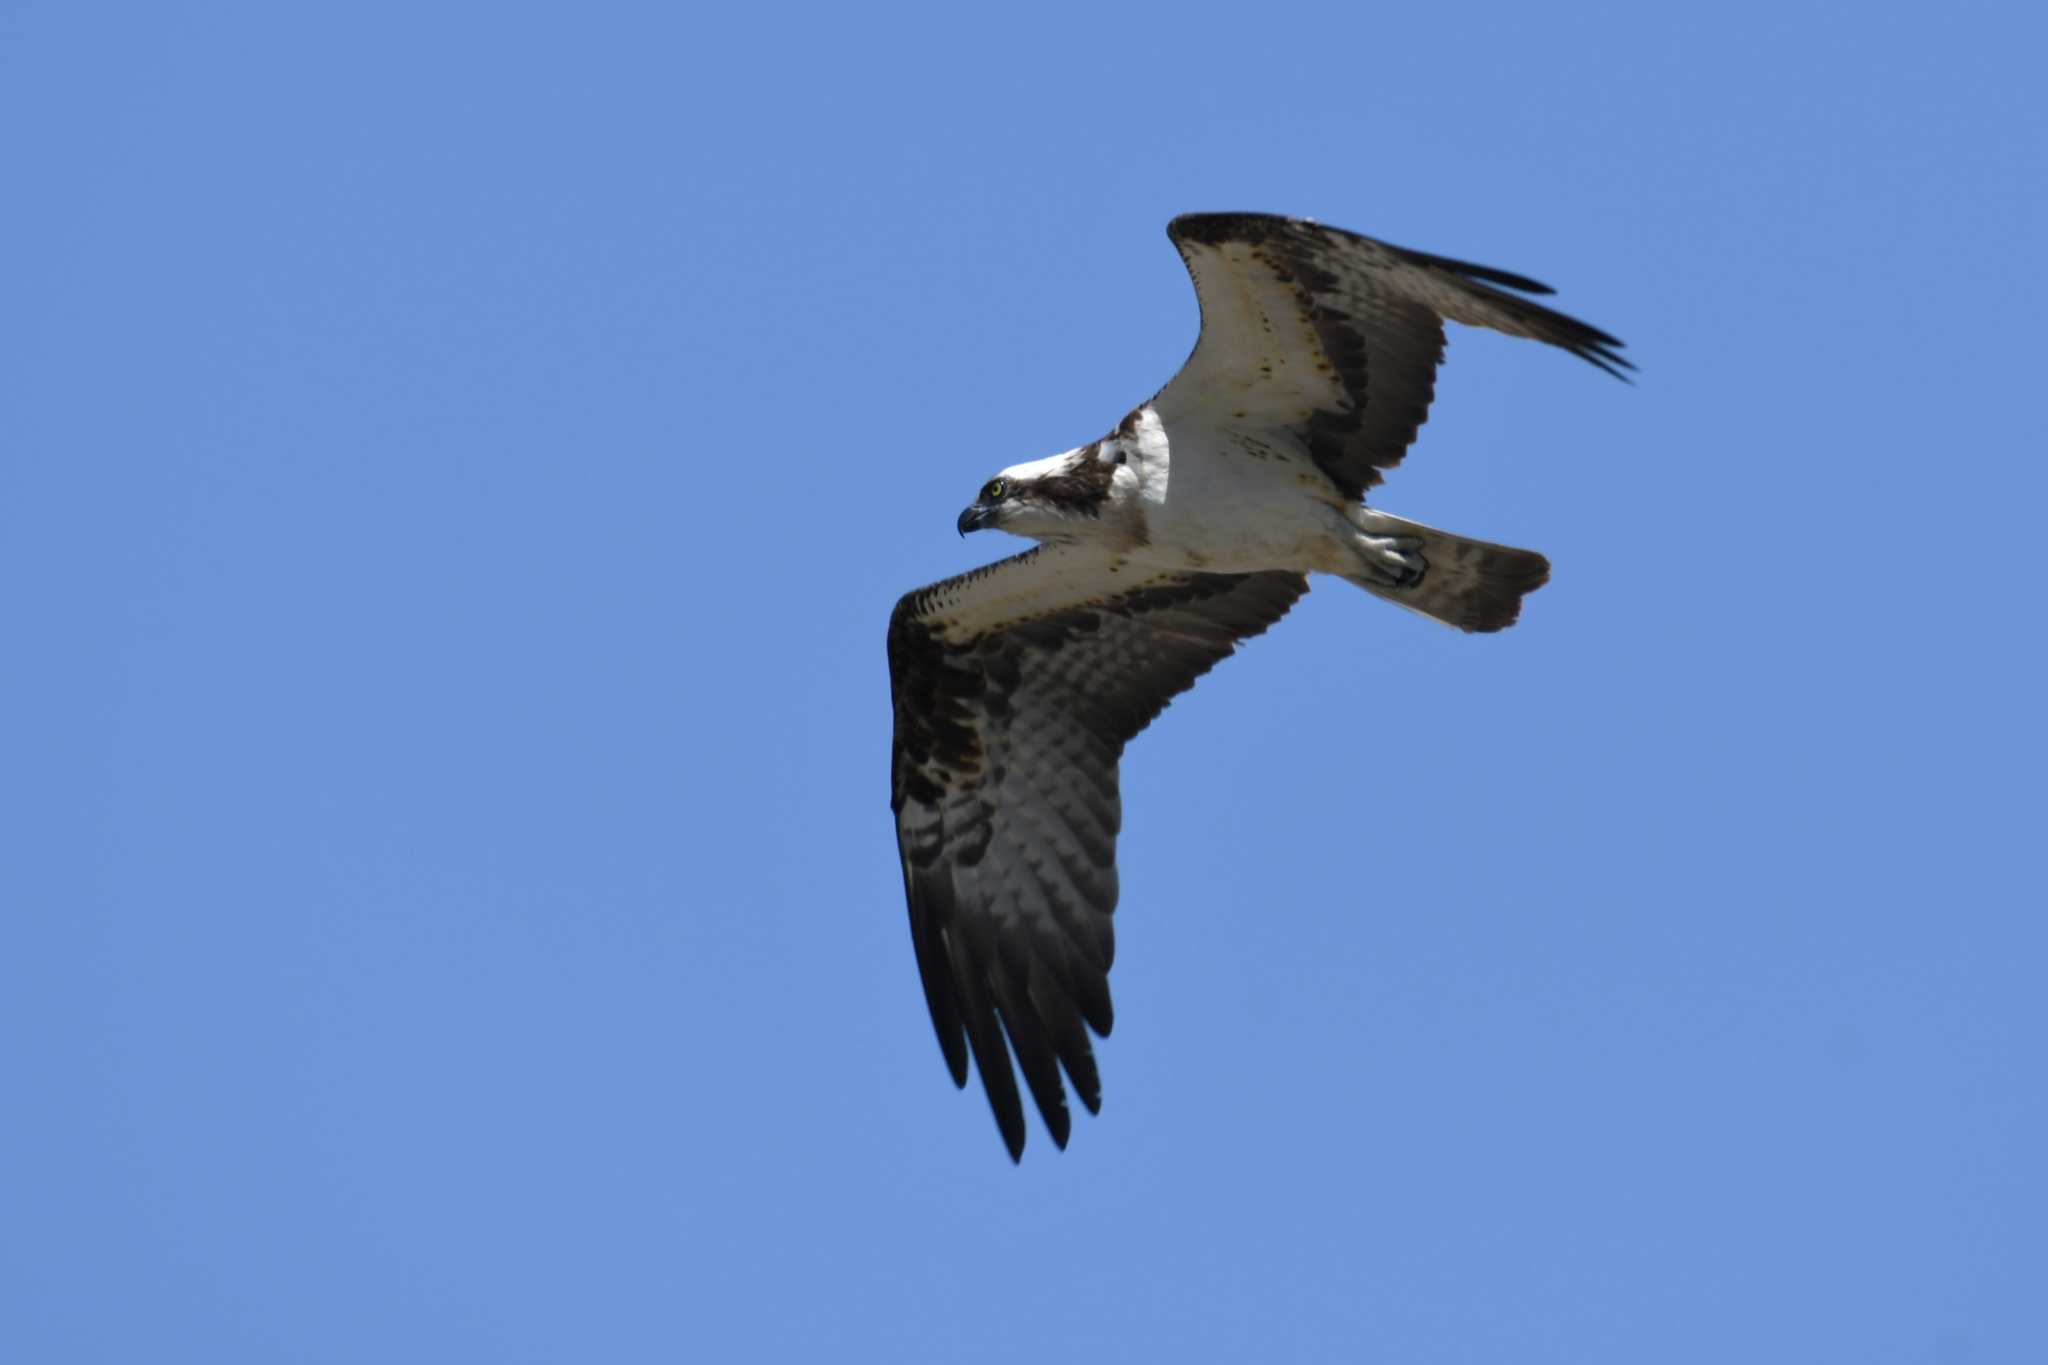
column 1394, row 561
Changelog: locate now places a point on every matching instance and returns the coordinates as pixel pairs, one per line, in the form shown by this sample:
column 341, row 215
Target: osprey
column 1193, row 525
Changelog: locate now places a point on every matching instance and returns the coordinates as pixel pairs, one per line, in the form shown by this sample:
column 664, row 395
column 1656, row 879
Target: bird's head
column 1051, row 499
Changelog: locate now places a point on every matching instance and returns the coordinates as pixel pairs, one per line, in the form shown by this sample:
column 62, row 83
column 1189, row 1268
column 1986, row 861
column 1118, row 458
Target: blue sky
column 456, row 463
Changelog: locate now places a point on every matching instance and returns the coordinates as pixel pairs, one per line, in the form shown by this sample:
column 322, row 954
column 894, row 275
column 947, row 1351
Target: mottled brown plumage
column 1008, row 735
column 1378, row 328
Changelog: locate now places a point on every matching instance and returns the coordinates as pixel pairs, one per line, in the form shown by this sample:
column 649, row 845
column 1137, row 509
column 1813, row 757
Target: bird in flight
column 1193, row 525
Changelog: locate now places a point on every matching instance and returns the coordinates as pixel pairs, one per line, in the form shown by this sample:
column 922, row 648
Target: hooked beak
column 978, row 516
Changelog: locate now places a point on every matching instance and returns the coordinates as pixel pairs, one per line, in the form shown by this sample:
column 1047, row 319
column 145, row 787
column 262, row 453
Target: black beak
column 975, row 518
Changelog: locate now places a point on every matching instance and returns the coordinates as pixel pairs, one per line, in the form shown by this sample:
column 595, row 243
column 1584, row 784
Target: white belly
column 1235, row 510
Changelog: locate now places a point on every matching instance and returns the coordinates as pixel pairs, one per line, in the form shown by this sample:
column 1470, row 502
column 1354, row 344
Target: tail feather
column 1471, row 584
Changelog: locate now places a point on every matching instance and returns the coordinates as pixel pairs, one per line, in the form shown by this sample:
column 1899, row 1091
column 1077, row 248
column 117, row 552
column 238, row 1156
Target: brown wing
column 1334, row 338
column 1008, row 733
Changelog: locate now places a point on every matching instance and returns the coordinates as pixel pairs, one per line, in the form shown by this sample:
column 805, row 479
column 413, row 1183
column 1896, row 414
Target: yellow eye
column 995, row 489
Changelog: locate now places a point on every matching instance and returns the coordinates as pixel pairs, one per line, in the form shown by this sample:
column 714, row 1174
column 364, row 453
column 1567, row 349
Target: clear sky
column 456, row 463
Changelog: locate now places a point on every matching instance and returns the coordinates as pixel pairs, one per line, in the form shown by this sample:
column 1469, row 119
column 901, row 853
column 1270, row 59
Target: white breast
column 1219, row 502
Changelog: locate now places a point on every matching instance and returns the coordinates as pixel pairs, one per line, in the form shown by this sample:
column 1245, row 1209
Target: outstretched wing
column 1334, row 338
column 1016, row 688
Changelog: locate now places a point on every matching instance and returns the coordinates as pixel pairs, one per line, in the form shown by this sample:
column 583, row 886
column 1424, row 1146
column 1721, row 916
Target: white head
column 1061, row 497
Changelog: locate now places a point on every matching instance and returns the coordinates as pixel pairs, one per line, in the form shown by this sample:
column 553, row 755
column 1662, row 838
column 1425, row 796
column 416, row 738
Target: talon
column 1397, row 558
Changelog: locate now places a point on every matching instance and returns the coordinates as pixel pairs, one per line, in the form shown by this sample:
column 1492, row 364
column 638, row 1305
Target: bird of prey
column 1193, row 525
